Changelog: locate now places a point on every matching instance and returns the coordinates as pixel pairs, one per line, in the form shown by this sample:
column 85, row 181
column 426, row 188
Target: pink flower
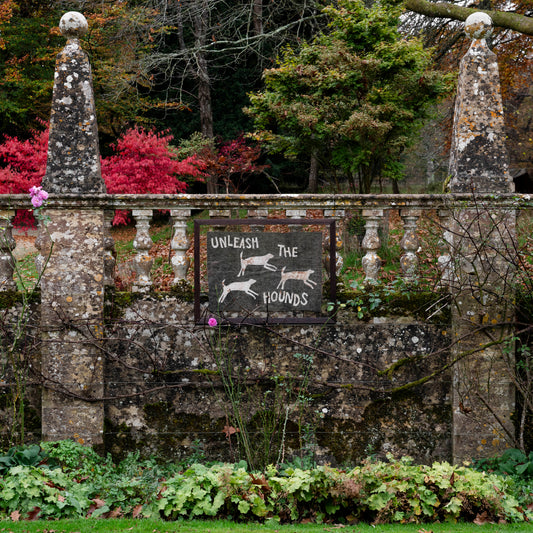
column 212, row 322
column 38, row 196
column 37, row 201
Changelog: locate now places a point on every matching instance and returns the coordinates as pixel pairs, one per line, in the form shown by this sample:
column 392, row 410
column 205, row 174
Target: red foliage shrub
column 236, row 161
column 144, row 163
column 25, row 167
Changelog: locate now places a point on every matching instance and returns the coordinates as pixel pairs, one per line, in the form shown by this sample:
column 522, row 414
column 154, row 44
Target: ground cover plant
column 395, row 491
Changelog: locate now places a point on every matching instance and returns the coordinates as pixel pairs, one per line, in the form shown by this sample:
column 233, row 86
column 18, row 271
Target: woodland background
column 173, row 80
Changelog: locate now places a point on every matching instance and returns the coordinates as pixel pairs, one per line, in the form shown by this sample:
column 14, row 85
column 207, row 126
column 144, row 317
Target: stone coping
column 270, row 201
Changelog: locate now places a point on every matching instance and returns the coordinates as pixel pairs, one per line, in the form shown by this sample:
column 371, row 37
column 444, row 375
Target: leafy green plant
column 377, row 492
column 512, row 462
column 32, row 492
column 73, row 456
column 32, row 455
column 363, row 300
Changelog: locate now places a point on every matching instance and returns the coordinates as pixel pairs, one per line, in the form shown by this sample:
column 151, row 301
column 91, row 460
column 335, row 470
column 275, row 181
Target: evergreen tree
column 354, row 97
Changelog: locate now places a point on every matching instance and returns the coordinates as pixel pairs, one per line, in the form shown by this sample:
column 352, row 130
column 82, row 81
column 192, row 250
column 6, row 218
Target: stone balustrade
column 372, row 209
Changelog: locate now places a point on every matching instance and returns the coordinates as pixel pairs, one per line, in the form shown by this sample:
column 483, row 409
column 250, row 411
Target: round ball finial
column 73, row 25
column 478, row 26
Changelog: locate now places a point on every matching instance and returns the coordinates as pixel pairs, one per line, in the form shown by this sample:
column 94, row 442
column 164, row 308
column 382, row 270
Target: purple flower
column 212, row 322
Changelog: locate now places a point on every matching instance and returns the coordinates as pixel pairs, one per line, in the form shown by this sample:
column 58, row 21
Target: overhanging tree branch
column 503, row 19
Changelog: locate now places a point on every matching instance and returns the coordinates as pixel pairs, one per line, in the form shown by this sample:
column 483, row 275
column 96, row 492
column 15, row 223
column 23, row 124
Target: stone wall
column 349, row 411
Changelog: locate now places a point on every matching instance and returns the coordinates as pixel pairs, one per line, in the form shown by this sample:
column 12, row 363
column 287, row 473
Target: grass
column 224, row 526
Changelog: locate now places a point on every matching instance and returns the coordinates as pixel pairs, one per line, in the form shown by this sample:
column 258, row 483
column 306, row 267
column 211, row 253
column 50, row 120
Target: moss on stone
column 183, row 291
column 9, row 299
column 118, row 440
column 115, row 302
column 389, row 371
column 419, row 305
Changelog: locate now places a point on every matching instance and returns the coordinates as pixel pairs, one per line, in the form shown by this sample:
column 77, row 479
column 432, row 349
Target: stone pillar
column 481, row 269
column 72, row 286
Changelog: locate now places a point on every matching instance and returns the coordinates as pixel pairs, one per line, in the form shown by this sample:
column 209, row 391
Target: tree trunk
column 365, row 179
column 313, row 173
column 258, row 16
column 204, row 97
column 202, row 71
column 204, row 82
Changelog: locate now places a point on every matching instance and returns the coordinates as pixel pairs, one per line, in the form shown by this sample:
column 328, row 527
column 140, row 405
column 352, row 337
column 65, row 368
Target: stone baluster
column 444, row 261
column 296, row 214
column 110, row 255
column 257, row 213
column 142, row 243
column 409, row 244
column 179, row 243
column 337, row 214
column 371, row 242
column 40, row 245
column 7, row 245
column 219, row 213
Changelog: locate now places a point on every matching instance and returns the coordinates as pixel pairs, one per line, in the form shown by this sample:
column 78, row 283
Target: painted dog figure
column 243, row 286
column 297, row 275
column 258, row 260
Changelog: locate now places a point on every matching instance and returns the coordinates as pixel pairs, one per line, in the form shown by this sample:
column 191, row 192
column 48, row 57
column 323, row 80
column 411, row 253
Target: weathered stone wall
column 163, row 394
column 350, row 413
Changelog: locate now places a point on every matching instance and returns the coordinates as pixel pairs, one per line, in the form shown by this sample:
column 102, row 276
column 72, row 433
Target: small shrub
column 376, row 492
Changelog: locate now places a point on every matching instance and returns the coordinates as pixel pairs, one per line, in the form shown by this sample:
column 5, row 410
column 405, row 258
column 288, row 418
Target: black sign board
column 264, row 271
column 251, row 273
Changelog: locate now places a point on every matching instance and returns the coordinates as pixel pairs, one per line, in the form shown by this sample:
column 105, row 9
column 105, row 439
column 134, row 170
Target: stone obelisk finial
column 73, row 164
column 479, row 159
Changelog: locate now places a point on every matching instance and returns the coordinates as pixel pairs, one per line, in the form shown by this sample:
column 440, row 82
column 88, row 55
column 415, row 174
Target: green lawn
column 219, row 526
